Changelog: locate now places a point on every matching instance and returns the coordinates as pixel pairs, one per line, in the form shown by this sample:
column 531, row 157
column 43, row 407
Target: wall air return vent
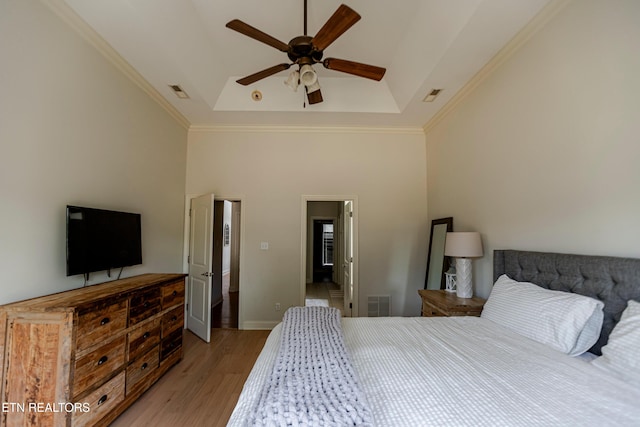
column 379, row 305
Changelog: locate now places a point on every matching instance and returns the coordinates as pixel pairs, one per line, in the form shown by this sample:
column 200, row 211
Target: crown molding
column 306, row 129
column 71, row 18
column 550, row 10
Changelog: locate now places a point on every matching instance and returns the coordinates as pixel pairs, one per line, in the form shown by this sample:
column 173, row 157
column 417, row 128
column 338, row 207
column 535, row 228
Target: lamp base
column 464, row 288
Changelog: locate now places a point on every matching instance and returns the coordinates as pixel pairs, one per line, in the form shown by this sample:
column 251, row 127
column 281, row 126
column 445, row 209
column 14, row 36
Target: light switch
column 264, row 246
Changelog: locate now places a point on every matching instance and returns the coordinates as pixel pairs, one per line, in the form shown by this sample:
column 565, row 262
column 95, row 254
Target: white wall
column 271, row 169
column 545, row 154
column 74, row 130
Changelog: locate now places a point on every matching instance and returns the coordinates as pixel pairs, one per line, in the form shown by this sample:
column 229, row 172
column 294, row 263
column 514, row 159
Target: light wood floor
column 204, row 387
column 327, row 292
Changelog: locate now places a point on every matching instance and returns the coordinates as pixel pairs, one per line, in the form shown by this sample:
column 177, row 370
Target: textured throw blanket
column 313, row 382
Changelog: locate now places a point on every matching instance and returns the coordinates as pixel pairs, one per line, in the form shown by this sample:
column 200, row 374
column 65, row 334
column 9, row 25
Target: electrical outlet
column 277, row 306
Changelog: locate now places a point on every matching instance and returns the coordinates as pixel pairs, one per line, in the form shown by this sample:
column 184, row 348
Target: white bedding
column 465, row 371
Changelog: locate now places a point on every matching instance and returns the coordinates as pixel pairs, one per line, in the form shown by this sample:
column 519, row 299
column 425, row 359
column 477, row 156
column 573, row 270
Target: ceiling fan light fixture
column 293, row 80
column 307, row 75
column 313, row 87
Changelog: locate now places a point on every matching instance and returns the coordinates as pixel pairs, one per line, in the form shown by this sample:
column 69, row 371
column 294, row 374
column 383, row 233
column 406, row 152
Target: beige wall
column 545, row 154
column 74, row 130
column 271, row 169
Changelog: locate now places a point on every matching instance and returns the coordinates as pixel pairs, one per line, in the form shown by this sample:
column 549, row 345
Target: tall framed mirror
column 436, row 261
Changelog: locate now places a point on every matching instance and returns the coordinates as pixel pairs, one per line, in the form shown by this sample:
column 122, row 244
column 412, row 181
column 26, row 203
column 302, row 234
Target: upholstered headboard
column 611, row 280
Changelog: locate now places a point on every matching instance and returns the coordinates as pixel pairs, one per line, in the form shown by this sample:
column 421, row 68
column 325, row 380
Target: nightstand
column 442, row 303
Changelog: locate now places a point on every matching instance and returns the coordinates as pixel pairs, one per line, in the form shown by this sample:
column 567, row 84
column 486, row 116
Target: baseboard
column 258, row 325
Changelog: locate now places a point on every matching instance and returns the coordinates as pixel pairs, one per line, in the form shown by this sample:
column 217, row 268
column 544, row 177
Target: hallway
column 327, row 294
column 225, row 314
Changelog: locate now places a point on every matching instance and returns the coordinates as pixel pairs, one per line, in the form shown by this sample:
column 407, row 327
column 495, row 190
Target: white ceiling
column 423, row 44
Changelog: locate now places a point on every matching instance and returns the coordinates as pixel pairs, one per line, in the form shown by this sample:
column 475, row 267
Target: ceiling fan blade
column 355, row 68
column 262, row 74
column 341, row 20
column 256, row 34
column 314, row 97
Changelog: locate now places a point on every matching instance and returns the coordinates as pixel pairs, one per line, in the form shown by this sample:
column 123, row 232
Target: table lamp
column 463, row 246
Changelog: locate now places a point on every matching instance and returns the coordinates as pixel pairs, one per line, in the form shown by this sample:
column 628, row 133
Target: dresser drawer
column 138, row 370
column 170, row 344
column 172, row 321
column 142, row 339
column 97, row 365
column 93, row 326
column 173, row 294
column 143, row 305
column 101, row 401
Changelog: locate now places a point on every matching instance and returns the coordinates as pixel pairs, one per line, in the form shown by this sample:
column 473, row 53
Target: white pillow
column 567, row 322
column 621, row 354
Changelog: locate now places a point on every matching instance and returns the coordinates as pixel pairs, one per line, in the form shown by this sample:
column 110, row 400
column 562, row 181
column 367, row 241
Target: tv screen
column 100, row 239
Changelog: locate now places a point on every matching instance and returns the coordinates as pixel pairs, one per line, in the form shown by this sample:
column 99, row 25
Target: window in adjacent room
column 327, row 244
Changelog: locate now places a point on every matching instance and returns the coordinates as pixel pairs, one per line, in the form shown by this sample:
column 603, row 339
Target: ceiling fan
column 305, row 51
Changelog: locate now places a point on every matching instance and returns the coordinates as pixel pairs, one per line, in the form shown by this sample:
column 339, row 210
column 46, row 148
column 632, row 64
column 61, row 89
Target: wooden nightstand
column 442, row 303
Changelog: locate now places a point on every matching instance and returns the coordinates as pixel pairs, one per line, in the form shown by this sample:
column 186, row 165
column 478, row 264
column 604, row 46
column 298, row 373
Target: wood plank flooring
column 204, row 387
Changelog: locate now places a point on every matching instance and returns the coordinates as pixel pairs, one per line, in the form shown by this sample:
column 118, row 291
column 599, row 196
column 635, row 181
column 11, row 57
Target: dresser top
column 76, row 298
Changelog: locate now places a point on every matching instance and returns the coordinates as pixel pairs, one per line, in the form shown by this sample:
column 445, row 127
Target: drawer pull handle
column 144, row 366
column 174, row 293
column 146, row 335
column 105, row 321
column 174, row 318
column 102, row 399
column 146, row 304
column 102, row 360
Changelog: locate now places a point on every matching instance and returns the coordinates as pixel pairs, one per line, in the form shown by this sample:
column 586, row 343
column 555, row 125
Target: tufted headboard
column 611, row 280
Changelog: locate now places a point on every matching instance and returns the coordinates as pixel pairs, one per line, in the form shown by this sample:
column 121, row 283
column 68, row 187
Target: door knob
column 207, row 274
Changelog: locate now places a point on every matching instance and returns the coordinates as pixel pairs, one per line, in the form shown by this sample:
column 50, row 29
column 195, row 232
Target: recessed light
column 256, row 95
column 432, row 95
column 179, row 92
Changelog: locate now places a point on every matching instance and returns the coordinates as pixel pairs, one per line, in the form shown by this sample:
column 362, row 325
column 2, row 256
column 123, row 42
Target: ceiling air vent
column 432, row 95
column 179, row 92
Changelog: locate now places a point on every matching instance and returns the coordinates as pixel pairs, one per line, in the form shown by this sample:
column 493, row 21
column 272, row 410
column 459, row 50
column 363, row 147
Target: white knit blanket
column 313, row 382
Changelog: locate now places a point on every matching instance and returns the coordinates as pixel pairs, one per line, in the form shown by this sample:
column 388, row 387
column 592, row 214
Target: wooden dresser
column 443, row 303
column 81, row 357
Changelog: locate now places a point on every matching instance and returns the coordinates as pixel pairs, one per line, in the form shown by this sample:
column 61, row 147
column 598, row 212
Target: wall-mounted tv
column 99, row 239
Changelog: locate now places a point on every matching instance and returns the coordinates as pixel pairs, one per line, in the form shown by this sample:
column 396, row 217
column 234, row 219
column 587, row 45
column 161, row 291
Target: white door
column 347, row 257
column 200, row 267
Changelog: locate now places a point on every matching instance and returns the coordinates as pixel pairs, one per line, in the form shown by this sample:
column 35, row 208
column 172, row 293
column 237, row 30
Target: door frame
column 304, row 238
column 186, row 237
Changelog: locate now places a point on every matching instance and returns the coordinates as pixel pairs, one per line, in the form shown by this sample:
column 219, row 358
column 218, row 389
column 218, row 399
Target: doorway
column 226, row 265
column 322, row 252
column 329, row 249
column 212, row 303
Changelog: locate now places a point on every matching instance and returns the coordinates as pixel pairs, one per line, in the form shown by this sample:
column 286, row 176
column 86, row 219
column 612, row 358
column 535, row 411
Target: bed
column 467, row 371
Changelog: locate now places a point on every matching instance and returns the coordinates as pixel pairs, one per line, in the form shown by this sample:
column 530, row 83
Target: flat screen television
column 99, row 239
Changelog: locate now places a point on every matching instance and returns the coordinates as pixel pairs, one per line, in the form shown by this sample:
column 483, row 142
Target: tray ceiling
column 423, row 44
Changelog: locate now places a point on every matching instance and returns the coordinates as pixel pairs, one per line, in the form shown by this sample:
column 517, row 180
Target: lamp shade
column 314, row 87
column 465, row 244
column 307, row 75
column 292, row 80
